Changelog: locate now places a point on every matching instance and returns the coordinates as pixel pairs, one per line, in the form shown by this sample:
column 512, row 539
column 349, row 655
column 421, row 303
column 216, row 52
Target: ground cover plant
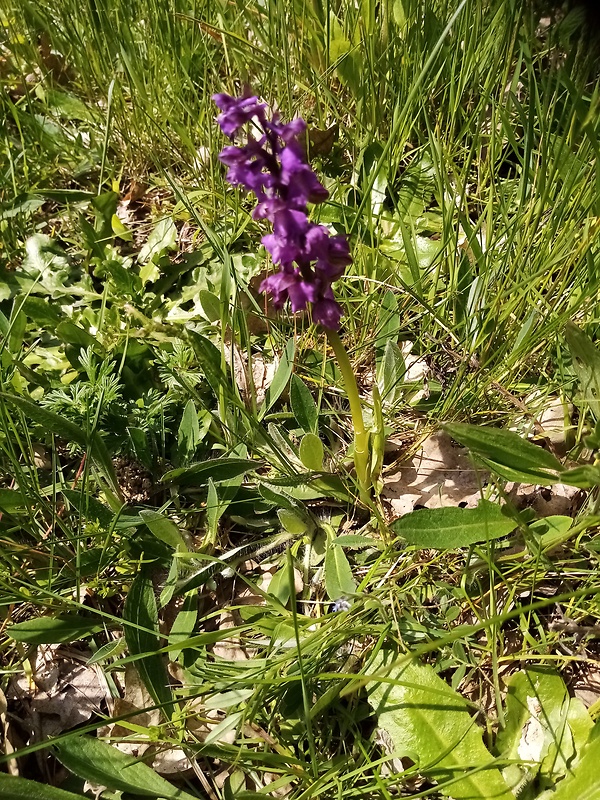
column 300, row 420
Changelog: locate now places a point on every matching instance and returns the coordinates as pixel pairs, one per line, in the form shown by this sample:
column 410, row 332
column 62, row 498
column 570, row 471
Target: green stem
column 361, row 437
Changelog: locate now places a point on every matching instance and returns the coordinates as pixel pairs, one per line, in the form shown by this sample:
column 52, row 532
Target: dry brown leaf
column 439, row 474
column 64, row 692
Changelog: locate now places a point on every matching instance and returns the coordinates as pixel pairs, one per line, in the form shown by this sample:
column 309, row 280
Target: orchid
column 272, row 165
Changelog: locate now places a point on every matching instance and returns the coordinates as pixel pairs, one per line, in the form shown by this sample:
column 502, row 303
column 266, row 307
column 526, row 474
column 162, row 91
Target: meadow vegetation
column 198, row 595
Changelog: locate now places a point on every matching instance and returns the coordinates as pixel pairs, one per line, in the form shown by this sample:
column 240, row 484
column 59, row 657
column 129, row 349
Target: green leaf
column 143, row 639
column 70, row 333
column 40, row 311
column 292, row 521
column 339, row 582
column 311, row 452
column 210, row 359
column 429, row 722
column 390, row 372
column 551, row 529
column 211, row 305
column 13, row 788
column 218, row 469
column 119, row 229
column 104, row 765
column 184, row 624
column 53, row 630
column 280, row 380
column 162, row 239
column 447, row 528
column 276, row 495
column 12, row 501
column 279, row 586
column 303, row 405
column 354, row 541
column 584, row 476
column 584, row 782
column 111, row 649
column 538, row 702
column 586, row 362
column 507, row 453
column 163, row 528
column 188, row 435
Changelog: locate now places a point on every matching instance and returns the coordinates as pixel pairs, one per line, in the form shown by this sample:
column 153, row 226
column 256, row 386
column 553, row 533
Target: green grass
column 136, row 446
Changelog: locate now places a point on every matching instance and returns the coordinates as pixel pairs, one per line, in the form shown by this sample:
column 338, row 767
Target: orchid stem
column 361, row 437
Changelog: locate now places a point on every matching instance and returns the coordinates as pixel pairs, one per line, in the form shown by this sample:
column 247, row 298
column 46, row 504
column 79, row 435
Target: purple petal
column 327, row 313
column 236, row 111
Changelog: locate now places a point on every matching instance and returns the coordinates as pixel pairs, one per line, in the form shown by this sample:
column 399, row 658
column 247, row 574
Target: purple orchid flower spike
column 272, row 165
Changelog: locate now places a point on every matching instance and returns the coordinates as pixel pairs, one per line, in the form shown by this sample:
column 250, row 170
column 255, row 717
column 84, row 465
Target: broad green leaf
column 70, row 333
column 162, row 239
column 388, row 323
column 339, row 581
column 218, row 469
column 188, row 435
column 506, row 453
column 39, row 310
column 210, row 358
column 143, row 639
column 543, row 726
column 53, row 630
column 447, row 528
column 583, row 783
column 211, row 305
column 22, row 204
column 12, row 501
column 184, row 624
column 390, row 372
column 163, row 528
column 69, row 106
column 13, row 788
column 430, row 723
column 279, row 586
column 100, row 763
column 551, row 529
column 586, row 362
column 111, row 649
column 281, row 378
column 214, row 510
column 292, row 521
column 228, row 699
column 311, row 452
column 277, row 496
column 303, row 405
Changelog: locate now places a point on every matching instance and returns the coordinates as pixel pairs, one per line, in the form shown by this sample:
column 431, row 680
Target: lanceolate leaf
column 339, row 581
column 429, row 722
column 143, row 639
column 303, row 405
column 218, row 469
column 507, row 453
column 280, row 381
column 586, row 361
column 163, row 528
column 583, row 783
column 446, row 528
column 13, row 788
column 102, row 764
column 53, row 630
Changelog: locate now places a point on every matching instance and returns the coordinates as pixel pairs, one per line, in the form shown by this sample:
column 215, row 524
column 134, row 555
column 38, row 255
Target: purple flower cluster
column 272, row 165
